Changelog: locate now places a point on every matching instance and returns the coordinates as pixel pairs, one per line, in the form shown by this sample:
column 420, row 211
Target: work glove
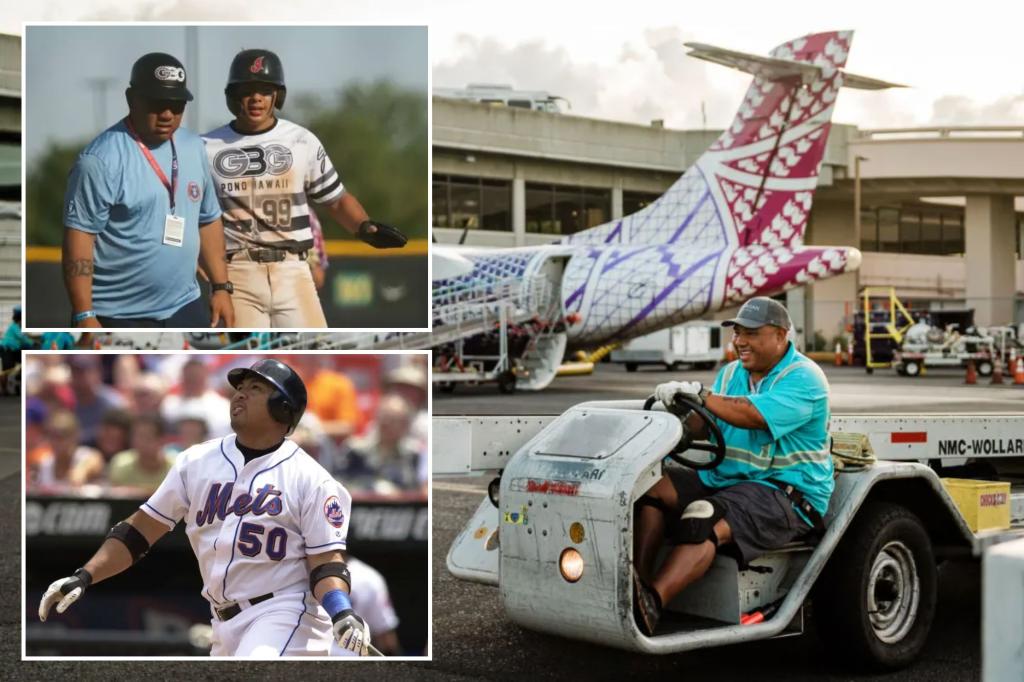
column 692, row 390
column 66, row 591
column 351, row 632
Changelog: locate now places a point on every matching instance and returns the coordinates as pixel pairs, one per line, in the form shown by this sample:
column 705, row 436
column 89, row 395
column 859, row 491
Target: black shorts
column 761, row 517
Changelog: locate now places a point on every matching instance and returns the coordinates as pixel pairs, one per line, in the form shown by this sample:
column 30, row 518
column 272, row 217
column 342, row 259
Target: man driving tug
column 774, row 485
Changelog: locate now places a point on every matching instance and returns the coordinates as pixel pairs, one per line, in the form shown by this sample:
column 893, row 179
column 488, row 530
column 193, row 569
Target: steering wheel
column 716, row 444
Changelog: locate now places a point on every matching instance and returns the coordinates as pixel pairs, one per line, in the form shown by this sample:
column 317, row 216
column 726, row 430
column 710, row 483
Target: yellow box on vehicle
column 985, row 505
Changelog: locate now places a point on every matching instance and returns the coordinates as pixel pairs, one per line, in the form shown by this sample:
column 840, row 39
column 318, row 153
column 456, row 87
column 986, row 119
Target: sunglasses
column 156, row 106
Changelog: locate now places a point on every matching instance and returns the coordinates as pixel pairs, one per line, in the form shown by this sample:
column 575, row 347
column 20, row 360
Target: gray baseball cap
column 757, row 312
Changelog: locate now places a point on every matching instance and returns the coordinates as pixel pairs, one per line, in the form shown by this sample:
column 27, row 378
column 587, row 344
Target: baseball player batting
column 266, row 171
column 267, row 525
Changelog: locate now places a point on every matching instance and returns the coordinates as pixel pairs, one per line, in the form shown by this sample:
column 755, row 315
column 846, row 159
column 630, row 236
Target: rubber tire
column 446, row 387
column 869, row 370
column 676, row 367
column 840, row 606
column 912, row 368
column 507, row 382
column 631, row 366
column 984, row 368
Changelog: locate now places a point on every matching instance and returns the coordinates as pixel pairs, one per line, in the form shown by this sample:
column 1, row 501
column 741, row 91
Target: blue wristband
column 81, row 317
column 335, row 602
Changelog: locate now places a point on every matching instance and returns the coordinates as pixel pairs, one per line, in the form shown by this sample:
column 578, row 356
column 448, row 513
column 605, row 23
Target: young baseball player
column 267, row 170
column 267, row 525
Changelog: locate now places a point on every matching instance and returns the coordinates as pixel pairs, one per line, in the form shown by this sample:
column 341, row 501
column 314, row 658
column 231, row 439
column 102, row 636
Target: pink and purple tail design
column 758, row 178
column 753, row 188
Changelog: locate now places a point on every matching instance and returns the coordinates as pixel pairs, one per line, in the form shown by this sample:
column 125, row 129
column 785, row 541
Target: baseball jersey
column 116, row 195
column 264, row 182
column 251, row 525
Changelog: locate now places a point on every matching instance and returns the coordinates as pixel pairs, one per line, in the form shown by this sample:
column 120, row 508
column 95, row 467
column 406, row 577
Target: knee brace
column 697, row 522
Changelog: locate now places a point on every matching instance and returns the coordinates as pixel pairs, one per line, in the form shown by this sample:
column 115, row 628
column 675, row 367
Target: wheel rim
column 894, row 592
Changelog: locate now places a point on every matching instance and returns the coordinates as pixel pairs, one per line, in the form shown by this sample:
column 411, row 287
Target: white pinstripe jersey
column 264, row 182
column 251, row 525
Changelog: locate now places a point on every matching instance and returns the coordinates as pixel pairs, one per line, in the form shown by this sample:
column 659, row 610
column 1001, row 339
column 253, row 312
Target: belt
column 267, row 255
column 800, row 502
column 229, row 612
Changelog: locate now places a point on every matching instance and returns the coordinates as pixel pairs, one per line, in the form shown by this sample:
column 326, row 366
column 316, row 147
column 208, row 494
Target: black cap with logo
column 158, row 75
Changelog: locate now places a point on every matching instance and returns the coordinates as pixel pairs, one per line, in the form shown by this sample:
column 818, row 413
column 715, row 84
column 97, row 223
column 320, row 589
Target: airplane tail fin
column 755, row 184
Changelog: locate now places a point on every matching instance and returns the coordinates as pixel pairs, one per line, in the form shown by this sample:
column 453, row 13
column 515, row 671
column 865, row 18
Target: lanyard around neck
column 171, row 186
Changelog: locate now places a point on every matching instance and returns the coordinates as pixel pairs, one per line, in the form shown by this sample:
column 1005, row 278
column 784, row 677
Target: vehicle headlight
column 570, row 564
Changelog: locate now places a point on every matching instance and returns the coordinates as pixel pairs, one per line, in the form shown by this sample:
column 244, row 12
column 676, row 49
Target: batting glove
column 694, row 391
column 381, row 236
column 66, row 591
column 351, row 632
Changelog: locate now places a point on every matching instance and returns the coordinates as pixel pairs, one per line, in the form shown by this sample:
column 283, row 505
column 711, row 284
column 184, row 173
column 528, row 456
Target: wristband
column 81, row 317
column 84, row 576
column 335, row 601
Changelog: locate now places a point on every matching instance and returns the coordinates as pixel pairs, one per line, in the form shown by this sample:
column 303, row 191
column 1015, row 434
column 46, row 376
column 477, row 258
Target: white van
column 696, row 344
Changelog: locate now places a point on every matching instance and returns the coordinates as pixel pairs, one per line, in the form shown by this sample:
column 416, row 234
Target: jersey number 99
column 251, row 544
column 277, row 213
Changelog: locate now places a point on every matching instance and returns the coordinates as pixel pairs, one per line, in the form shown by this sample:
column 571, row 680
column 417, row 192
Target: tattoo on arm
column 735, row 401
column 78, row 268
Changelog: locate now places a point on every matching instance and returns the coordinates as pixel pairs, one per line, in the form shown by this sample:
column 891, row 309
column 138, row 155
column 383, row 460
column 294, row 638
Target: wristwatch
column 226, row 286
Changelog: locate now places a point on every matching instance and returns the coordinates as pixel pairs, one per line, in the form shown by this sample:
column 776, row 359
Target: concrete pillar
column 989, row 230
column 832, row 224
column 519, row 209
column 616, row 198
column 803, row 319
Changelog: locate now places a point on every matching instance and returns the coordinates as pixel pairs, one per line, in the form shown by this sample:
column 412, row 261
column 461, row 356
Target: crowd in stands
column 102, row 423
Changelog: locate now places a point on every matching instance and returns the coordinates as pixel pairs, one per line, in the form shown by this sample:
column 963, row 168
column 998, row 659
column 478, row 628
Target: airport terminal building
column 938, row 219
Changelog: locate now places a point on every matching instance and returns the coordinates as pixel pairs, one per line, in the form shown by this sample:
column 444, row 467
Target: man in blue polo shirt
column 775, row 482
column 141, row 211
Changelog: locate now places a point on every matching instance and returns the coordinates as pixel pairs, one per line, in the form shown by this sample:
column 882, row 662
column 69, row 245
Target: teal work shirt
column 793, row 399
column 15, row 339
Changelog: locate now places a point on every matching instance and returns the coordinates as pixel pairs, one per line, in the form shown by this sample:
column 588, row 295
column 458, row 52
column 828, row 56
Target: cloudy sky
column 625, row 60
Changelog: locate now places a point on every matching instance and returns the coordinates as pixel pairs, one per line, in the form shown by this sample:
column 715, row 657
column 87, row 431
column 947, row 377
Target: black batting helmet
column 255, row 66
column 288, row 401
column 158, row 75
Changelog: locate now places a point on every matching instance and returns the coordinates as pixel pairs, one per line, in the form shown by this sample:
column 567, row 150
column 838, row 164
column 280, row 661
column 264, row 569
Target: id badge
column 174, row 230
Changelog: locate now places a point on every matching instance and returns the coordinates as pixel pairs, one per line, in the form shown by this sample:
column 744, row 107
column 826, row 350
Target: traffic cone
column 839, row 354
column 972, row 373
column 730, row 352
column 53, row 345
column 849, row 352
column 1018, row 372
column 185, row 346
column 997, row 371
